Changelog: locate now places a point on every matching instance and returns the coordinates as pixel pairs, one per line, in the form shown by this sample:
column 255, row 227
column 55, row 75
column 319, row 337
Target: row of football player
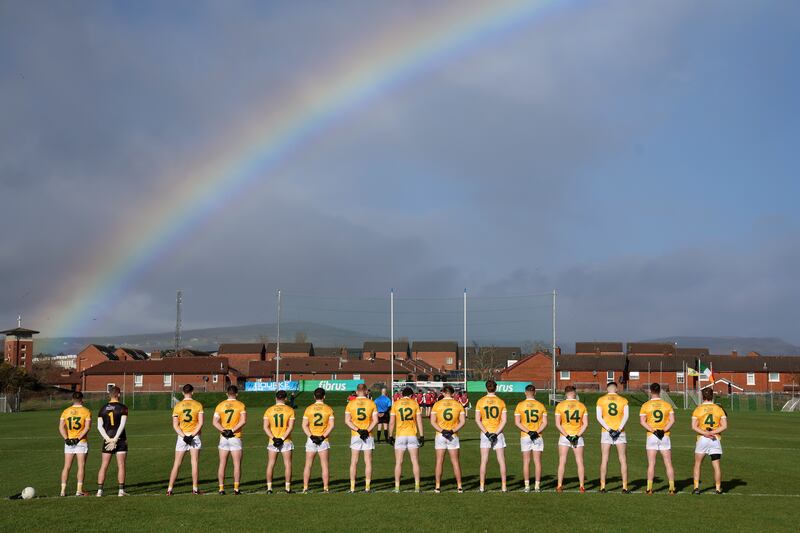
column 406, row 434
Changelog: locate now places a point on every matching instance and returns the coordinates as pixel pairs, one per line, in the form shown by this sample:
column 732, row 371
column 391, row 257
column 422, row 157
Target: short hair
column 280, row 395
column 188, row 389
column 611, row 384
column 708, row 394
column 569, row 388
column 491, row 386
column 448, row 389
column 233, row 389
column 383, row 389
column 319, row 393
column 362, row 387
column 114, row 391
column 77, row 395
column 408, row 391
column 655, row 388
column 530, row 388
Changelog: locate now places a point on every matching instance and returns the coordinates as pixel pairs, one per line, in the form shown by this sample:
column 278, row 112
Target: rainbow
column 268, row 138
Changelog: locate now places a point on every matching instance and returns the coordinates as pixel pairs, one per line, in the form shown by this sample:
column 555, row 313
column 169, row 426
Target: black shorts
column 122, row 446
column 383, row 418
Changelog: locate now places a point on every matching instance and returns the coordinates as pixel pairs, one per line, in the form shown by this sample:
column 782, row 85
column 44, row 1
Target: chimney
column 734, row 353
column 155, row 354
column 558, row 350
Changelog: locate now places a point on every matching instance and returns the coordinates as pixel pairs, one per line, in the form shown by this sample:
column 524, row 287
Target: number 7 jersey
column 230, row 412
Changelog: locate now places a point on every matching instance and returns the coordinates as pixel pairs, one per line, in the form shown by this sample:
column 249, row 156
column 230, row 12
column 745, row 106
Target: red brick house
column 383, row 350
column 439, row 354
column 18, row 347
column 130, row 354
column 295, row 368
column 599, row 348
column 290, row 349
column 239, row 355
column 161, row 375
column 94, row 354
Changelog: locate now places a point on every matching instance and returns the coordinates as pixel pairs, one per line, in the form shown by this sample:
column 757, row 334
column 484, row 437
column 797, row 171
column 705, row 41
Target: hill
column 722, row 345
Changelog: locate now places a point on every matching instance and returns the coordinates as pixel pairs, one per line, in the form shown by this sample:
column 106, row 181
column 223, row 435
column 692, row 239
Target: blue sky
column 640, row 157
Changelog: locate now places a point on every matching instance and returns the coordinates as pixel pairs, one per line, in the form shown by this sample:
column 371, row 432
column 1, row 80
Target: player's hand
column 228, row 433
column 390, row 441
column 421, row 440
column 614, row 433
column 317, row 439
column 364, row 434
column 446, row 433
column 533, row 435
column 659, row 433
column 493, row 438
column 69, row 442
column 277, row 442
column 189, row 439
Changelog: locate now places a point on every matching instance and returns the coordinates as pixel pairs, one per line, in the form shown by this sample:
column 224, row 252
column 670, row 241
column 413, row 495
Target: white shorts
column 562, row 441
column 356, row 443
column 311, row 447
column 486, row 443
column 405, row 443
column 708, row 446
column 653, row 443
column 528, row 445
column 233, row 444
column 286, row 447
column 605, row 438
column 441, row 443
column 80, row 448
column 181, row 446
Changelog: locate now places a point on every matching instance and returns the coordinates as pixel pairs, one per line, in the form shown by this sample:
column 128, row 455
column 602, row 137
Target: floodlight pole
column 391, row 337
column 465, row 340
column 554, row 345
column 278, row 345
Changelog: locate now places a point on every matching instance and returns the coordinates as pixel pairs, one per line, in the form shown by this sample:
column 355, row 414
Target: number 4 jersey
column 230, row 412
column 188, row 414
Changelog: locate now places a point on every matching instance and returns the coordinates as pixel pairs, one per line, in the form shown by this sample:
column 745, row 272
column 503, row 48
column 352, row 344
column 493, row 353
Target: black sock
column 122, row 487
column 99, row 486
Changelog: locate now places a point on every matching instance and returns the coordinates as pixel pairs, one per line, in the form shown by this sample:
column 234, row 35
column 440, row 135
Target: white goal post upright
column 391, row 341
column 554, row 347
column 465, row 340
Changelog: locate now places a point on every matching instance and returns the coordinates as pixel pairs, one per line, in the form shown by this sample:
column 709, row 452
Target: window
column 609, row 376
column 751, row 378
column 633, row 376
column 564, row 375
column 138, row 380
column 287, row 377
column 355, row 376
column 774, row 377
column 168, row 380
column 679, row 377
column 24, row 347
column 449, row 361
column 214, row 378
column 333, row 376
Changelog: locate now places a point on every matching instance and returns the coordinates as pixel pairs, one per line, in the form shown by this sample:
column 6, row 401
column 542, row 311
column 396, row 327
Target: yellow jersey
column 571, row 413
column 319, row 416
column 709, row 415
column 448, row 413
column 656, row 414
column 75, row 418
column 612, row 409
column 531, row 414
column 278, row 417
column 361, row 411
column 188, row 414
column 491, row 409
column 230, row 413
column 405, row 411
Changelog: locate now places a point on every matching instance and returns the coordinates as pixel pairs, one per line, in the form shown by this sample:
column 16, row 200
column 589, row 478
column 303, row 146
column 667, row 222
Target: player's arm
column 267, row 428
column 392, row 422
column 625, row 415
column 518, row 422
column 289, row 428
column 670, row 421
column 723, row 425
column 176, row 425
column 420, row 429
column 62, row 429
column 435, row 425
column 503, row 421
column 462, row 419
column 696, row 427
column 216, row 421
column 306, row 428
column 479, row 421
column 201, row 418
column 242, row 422
column 374, row 421
column 643, row 422
column 348, row 421
column 87, row 425
column 599, row 415
column 102, row 429
column 544, row 422
column 330, row 427
column 584, row 424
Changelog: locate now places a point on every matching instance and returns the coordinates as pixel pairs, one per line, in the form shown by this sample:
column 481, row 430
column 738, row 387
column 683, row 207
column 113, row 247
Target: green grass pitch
column 760, row 467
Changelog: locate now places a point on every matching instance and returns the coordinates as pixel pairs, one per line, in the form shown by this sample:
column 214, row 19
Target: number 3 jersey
column 571, row 413
column 188, row 414
column 278, row 417
column 111, row 414
column 491, row 409
column 531, row 414
column 448, row 413
column 405, row 417
column 361, row 410
column 75, row 419
column 656, row 413
column 230, row 412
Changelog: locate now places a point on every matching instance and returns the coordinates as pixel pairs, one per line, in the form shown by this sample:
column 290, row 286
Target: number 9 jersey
column 656, row 413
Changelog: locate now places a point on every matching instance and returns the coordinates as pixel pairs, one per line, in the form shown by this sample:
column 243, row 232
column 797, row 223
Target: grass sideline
column 758, row 446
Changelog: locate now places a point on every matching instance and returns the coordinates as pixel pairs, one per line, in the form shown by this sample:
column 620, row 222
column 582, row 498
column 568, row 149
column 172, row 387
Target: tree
column 482, row 362
column 13, row 378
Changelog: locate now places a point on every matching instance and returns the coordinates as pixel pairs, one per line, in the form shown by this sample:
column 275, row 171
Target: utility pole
column 178, row 320
column 278, row 346
column 554, row 346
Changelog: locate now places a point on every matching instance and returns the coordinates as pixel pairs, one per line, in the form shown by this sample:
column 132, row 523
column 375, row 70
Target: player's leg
column 68, row 458
column 81, row 460
column 194, row 456
column 105, row 460
column 354, row 453
column 456, row 462
column 579, row 462
column 176, row 465
column 440, row 452
column 715, row 463
column 287, row 470
column 651, row 469
column 413, row 453
column 398, row 467
column 367, row 469
column 623, row 464
column 526, row 469
column 272, row 458
column 605, row 449
column 537, row 469
column 307, row 469
column 223, row 465
column 323, row 462
column 698, row 464
column 501, row 462
column 121, row 472
column 562, row 465
column 484, row 463
column 236, row 455
column 667, row 456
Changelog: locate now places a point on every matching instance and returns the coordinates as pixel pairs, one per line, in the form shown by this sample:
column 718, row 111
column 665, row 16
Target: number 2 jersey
column 531, row 414
column 491, row 409
column 571, row 413
column 278, row 417
column 656, row 413
column 448, row 413
column 405, row 417
column 111, row 414
column 188, row 414
column 75, row 418
column 361, row 410
column 230, row 412
column 318, row 415
column 709, row 416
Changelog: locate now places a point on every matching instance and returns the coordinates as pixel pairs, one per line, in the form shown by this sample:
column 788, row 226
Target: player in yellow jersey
column 187, row 421
column 406, row 433
column 447, row 418
column 318, row 424
column 612, row 415
column 361, row 416
column 530, row 416
column 657, row 417
column 572, row 420
column 278, row 425
column 74, row 425
column 230, row 416
column 708, row 421
column 491, row 416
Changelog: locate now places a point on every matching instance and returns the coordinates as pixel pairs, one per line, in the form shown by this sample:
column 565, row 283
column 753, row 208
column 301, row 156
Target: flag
column 691, row 372
column 625, row 373
column 707, row 372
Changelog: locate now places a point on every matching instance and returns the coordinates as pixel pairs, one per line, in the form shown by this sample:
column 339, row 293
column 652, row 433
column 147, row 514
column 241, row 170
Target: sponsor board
column 271, row 386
